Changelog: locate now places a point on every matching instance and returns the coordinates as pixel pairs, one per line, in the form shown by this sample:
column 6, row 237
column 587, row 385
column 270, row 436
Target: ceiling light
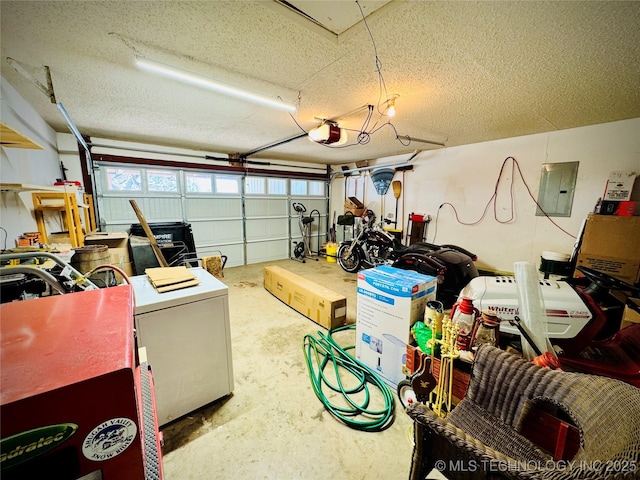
column 392, row 109
column 391, row 105
column 201, row 81
column 328, row 133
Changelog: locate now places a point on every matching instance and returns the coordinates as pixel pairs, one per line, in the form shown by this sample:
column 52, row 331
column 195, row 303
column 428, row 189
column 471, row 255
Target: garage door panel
column 234, row 253
column 118, row 227
column 162, row 209
column 266, row 228
column 207, row 208
column 319, row 204
column 270, row 250
column 264, row 206
column 314, row 228
column 117, row 209
column 217, row 232
column 154, row 209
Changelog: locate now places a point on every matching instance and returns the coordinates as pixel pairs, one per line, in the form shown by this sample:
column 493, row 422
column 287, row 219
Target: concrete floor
column 273, row 426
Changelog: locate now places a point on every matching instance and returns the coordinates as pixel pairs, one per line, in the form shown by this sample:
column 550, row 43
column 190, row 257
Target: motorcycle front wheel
column 349, row 262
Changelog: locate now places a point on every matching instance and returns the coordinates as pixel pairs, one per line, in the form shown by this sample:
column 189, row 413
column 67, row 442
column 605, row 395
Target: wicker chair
column 481, row 437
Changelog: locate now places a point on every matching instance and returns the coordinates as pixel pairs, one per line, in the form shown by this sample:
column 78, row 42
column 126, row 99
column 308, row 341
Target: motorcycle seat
column 413, row 248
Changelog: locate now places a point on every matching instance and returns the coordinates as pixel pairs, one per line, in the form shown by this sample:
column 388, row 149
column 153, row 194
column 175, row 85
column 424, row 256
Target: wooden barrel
column 87, row 258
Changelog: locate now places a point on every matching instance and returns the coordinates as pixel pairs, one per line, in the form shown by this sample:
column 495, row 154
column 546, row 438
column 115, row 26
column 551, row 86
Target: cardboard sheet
column 167, row 279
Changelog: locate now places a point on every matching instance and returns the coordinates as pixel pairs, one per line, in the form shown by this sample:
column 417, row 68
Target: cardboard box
column 355, row 206
column 631, row 312
column 611, row 244
column 626, row 209
column 390, row 301
column 625, row 269
column 59, row 238
column 325, row 307
column 118, row 243
column 619, row 186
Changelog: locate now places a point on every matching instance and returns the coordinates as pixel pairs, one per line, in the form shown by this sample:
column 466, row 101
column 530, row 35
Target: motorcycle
column 372, row 246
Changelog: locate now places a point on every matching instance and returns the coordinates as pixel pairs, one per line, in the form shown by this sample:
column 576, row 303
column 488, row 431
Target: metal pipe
column 412, row 139
column 159, row 152
column 38, row 272
column 212, row 157
column 72, row 127
column 272, row 145
column 74, row 274
column 389, row 165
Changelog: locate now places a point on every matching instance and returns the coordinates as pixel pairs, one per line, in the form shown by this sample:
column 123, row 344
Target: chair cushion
column 493, row 432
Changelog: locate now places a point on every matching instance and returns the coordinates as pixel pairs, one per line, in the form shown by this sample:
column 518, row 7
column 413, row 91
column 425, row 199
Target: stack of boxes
column 118, row 243
column 617, row 195
column 389, row 302
column 611, row 245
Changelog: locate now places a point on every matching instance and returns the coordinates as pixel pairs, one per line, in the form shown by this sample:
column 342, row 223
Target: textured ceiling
column 336, row 17
column 465, row 72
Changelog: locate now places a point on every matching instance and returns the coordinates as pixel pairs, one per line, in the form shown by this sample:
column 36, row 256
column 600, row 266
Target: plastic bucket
column 332, row 251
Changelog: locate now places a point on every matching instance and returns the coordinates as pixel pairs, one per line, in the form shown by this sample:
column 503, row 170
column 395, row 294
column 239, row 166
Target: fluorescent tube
column 204, row 82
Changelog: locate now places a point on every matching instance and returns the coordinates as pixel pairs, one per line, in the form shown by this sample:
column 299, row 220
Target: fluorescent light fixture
column 204, row 82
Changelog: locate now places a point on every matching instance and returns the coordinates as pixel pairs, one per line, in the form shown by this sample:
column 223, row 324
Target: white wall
column 19, row 165
column 466, row 176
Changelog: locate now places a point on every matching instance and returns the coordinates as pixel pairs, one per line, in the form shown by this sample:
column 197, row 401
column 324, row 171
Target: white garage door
column 247, row 218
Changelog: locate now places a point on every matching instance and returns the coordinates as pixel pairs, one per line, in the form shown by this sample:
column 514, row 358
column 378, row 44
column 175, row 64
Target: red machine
column 76, row 401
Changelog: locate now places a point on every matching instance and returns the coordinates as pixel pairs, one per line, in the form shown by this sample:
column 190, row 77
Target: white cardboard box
column 389, row 302
column 619, row 186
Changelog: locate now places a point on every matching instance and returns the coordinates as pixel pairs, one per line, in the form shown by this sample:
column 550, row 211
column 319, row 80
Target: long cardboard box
column 322, row 305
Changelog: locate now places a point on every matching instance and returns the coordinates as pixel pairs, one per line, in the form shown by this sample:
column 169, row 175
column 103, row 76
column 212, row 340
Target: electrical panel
column 557, row 186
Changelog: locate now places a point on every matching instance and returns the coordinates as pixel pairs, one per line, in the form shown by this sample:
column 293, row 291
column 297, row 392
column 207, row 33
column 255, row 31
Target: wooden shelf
column 27, row 187
column 13, row 139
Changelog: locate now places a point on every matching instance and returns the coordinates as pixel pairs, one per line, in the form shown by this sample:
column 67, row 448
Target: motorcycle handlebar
column 368, row 216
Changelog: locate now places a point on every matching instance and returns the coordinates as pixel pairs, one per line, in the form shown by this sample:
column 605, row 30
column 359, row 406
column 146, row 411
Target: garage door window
column 227, row 184
column 298, row 187
column 123, row 179
column 199, row 183
column 277, row 186
column 316, row 189
column 162, row 181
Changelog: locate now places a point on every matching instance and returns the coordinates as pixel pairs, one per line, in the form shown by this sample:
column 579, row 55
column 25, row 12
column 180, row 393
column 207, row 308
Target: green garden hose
column 352, row 407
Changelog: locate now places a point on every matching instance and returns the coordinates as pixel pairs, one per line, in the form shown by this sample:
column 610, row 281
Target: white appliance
column 567, row 314
column 187, row 337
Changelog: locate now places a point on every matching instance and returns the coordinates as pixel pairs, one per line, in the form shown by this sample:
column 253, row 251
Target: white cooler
column 188, row 341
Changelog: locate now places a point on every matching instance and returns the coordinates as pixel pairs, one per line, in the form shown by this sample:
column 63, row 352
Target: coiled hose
column 352, row 407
